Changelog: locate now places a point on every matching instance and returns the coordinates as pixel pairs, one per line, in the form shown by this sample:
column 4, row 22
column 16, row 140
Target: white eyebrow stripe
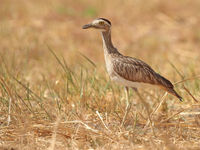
column 99, row 20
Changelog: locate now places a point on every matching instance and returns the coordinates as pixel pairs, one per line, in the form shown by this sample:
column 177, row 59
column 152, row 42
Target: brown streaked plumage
column 126, row 70
column 135, row 70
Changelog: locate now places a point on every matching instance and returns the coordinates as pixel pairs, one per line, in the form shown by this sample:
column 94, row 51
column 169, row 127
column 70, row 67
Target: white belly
column 121, row 81
column 124, row 82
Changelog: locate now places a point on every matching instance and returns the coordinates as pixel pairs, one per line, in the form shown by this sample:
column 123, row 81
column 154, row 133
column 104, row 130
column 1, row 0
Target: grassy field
column 54, row 89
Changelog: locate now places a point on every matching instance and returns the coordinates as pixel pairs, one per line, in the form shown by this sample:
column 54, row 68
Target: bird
column 125, row 70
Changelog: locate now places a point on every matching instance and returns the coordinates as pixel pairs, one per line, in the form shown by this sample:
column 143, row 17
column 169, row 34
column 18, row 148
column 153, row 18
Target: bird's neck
column 107, row 42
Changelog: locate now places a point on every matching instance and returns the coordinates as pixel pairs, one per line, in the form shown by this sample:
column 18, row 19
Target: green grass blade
column 89, row 60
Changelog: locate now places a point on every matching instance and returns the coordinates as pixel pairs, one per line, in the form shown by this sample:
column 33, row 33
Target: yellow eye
column 101, row 23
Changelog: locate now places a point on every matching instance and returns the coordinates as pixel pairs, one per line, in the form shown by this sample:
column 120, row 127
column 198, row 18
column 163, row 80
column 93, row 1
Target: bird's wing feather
column 135, row 70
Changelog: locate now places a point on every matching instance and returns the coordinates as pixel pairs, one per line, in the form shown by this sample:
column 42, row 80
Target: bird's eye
column 101, row 23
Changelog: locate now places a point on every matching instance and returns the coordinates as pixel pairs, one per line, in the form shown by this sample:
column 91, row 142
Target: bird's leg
column 128, row 105
column 147, row 109
column 127, row 96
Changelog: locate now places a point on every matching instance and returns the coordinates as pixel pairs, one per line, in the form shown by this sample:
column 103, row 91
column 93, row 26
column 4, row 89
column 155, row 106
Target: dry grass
column 54, row 97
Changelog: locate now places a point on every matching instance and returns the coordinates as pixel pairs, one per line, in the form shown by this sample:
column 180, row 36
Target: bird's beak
column 87, row 26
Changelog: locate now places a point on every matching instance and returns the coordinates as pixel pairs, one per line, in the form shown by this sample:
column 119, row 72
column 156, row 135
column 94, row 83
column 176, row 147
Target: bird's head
column 99, row 23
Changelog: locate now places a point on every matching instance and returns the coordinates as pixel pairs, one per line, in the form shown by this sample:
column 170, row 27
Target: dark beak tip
column 83, row 27
column 86, row 26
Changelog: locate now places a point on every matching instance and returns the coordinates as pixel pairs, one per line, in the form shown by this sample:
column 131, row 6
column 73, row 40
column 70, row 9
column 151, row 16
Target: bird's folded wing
column 135, row 70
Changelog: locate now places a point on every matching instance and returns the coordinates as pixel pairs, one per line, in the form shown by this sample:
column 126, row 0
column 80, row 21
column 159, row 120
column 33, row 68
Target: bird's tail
column 168, row 86
column 173, row 92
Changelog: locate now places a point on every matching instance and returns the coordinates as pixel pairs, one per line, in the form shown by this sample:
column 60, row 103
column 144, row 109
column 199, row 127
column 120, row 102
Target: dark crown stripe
column 105, row 20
